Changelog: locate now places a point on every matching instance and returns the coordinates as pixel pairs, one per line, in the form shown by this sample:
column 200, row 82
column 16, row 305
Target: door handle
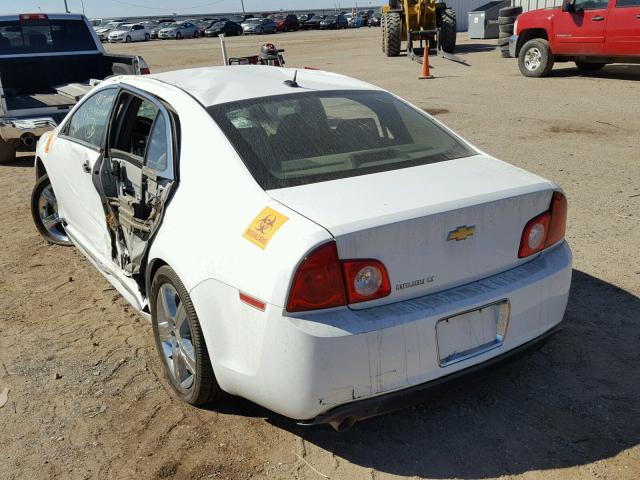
column 86, row 168
column 638, row 17
column 599, row 18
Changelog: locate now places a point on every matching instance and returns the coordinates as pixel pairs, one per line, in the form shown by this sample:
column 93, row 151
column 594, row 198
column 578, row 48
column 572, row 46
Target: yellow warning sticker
column 262, row 229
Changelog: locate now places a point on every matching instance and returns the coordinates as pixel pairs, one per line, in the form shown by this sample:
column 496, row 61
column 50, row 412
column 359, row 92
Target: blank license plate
column 471, row 333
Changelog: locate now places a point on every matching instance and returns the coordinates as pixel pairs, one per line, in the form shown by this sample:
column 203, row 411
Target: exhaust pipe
column 343, row 424
column 28, row 140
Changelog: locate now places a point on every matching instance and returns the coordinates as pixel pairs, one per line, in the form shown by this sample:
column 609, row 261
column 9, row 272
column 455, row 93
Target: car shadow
column 573, row 401
column 613, row 72
column 23, row 160
column 475, row 47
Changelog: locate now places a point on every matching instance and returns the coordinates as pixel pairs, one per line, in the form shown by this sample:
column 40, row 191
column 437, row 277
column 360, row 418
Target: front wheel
column 44, row 210
column 178, row 36
column 147, row 37
column 590, row 66
column 447, row 24
column 128, row 39
column 535, row 58
column 393, row 34
column 179, row 340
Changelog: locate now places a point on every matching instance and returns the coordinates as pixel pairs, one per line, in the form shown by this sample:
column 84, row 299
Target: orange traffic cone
column 425, row 63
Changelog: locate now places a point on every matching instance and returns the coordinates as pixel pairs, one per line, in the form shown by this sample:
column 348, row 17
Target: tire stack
column 506, row 18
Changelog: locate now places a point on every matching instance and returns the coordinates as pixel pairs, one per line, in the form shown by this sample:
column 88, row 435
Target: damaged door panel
column 136, row 177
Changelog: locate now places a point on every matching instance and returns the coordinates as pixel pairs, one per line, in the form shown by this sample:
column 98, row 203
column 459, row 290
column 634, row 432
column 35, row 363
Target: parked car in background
column 103, row 32
column 304, row 17
column 259, row 26
column 313, row 23
column 334, row 22
column 286, row 23
column 178, row 31
column 154, row 30
column 375, row 20
column 47, row 63
column 302, row 297
column 129, row 33
column 591, row 33
column 229, row 28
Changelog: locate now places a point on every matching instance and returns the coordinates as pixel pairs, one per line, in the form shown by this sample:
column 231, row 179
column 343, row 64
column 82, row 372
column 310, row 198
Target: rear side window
column 89, row 121
column 291, row 140
column 627, row 3
column 44, row 37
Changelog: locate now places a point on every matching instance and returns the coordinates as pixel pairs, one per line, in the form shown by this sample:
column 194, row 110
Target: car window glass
column 627, row 3
column 290, row 140
column 590, row 4
column 157, row 150
column 89, row 121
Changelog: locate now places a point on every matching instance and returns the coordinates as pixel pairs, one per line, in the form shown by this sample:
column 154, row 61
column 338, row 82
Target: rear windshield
column 290, row 140
column 45, row 37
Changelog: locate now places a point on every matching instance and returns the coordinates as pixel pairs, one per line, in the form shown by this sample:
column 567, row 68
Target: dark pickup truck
column 47, row 63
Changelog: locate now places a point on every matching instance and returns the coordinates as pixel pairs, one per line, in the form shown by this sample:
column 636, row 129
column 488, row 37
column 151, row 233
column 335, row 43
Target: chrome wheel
column 48, row 210
column 533, row 59
column 175, row 337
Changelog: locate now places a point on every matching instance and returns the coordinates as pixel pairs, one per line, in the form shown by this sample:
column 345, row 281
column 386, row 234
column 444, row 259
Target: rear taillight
column 323, row 281
column 365, row 280
column 318, row 282
column 546, row 229
column 33, row 17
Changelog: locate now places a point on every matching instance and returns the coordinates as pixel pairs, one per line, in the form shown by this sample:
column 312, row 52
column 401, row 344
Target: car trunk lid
column 434, row 226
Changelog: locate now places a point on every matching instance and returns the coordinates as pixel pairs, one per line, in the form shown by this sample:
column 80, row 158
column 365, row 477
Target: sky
column 124, row 8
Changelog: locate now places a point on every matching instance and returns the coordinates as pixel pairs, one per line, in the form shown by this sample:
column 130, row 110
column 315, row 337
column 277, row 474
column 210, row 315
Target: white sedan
column 318, row 245
column 129, row 32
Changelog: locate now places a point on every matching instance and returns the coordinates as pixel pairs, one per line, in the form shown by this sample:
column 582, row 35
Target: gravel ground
column 86, row 400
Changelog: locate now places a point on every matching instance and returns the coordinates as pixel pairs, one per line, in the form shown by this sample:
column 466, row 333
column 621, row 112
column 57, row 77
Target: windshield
column 51, row 36
column 218, row 25
column 290, row 140
column 330, row 17
column 173, row 25
column 254, row 20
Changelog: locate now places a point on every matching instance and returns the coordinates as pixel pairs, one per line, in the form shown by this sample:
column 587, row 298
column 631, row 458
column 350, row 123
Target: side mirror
column 568, row 6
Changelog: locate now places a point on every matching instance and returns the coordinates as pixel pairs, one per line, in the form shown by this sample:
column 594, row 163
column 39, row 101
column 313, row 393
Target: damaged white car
column 314, row 244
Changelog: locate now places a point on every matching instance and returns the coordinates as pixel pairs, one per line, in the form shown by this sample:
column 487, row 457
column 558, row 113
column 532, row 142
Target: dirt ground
column 86, row 400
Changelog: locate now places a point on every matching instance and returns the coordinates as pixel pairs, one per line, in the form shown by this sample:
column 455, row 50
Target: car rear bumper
column 312, row 366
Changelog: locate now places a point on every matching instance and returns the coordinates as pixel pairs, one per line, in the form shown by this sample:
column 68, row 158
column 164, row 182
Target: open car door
column 137, row 176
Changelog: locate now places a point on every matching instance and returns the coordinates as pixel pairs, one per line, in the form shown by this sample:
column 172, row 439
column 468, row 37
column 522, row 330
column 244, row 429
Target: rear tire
column 393, row 34
column 178, row 36
column 44, row 210
column 7, row 152
column 590, row 66
column 447, row 25
column 127, row 39
column 179, row 340
column 535, row 59
column 147, row 37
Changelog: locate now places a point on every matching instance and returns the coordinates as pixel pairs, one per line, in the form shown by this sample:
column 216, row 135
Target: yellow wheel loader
column 407, row 20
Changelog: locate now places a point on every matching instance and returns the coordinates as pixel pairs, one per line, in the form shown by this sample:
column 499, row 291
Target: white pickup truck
column 47, row 63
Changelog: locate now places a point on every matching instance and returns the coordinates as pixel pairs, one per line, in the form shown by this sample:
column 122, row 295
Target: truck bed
column 39, row 100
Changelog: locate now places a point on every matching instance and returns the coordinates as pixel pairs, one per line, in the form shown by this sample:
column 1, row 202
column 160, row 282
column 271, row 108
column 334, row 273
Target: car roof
column 216, row 85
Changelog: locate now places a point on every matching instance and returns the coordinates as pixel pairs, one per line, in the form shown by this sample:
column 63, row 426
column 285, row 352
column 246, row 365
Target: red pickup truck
column 591, row 33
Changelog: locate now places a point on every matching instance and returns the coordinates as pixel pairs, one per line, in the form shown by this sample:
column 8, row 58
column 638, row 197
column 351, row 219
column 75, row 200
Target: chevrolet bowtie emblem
column 461, row 233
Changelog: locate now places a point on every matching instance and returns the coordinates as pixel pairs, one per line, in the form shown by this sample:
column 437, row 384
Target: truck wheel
column 179, row 340
column 393, row 36
column 7, row 152
column 535, row 59
column 590, row 66
column 447, row 25
column 44, row 210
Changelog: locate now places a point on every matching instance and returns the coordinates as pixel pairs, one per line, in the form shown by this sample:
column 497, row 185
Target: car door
column 581, row 31
column 138, row 33
column 78, row 150
column 138, row 175
column 623, row 29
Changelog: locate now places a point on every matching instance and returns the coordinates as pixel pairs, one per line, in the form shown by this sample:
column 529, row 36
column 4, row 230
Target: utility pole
column 242, row 3
column 66, row 7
